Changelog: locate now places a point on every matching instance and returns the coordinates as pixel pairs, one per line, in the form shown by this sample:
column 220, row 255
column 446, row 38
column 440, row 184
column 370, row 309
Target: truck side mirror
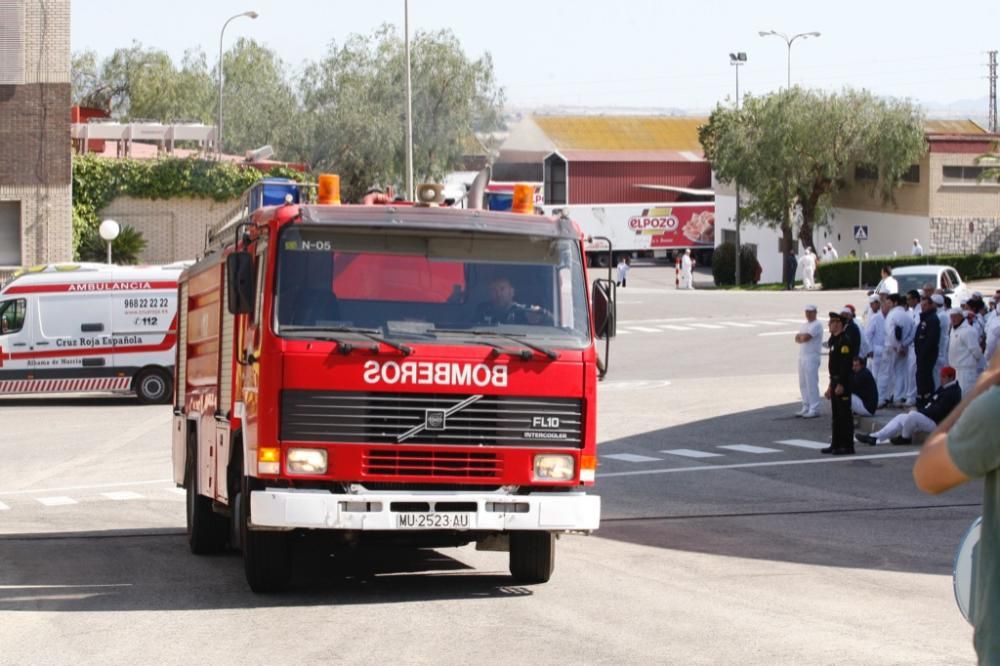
column 240, row 283
column 605, row 310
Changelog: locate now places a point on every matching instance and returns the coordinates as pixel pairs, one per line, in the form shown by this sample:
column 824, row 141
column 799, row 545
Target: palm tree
column 125, row 249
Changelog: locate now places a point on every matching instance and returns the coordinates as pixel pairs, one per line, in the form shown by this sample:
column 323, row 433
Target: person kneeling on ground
column 925, row 418
column 864, row 392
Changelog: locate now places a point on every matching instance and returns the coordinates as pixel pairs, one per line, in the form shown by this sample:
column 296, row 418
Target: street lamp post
column 788, row 41
column 409, row 102
column 109, row 231
column 218, row 138
column 737, row 60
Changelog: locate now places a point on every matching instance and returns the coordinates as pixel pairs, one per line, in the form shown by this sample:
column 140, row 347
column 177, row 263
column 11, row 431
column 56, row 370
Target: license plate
column 432, row 521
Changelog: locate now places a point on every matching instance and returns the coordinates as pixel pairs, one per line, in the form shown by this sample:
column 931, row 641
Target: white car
column 942, row 277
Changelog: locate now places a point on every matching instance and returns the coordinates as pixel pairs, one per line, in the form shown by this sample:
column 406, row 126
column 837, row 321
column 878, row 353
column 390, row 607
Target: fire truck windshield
column 405, row 285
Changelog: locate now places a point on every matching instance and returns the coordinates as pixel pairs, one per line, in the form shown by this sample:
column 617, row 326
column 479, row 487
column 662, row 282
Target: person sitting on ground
column 864, row 392
column 923, row 419
column 503, row 309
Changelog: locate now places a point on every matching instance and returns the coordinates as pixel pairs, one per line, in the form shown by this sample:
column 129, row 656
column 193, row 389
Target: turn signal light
column 329, row 189
column 588, row 468
column 524, row 199
column 268, row 460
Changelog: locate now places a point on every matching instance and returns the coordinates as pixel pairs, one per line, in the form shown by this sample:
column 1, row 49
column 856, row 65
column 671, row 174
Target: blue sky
column 625, row 53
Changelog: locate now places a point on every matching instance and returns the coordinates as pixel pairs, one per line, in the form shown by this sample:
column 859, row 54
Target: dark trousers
column 925, row 375
column 843, row 422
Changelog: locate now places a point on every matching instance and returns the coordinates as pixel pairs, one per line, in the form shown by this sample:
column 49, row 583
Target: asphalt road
column 726, row 537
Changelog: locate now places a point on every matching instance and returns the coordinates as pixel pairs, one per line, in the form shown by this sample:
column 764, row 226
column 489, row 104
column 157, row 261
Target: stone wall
column 964, row 235
column 174, row 229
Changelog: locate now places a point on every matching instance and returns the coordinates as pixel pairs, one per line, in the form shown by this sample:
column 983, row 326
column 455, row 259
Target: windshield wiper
column 513, row 337
column 346, row 347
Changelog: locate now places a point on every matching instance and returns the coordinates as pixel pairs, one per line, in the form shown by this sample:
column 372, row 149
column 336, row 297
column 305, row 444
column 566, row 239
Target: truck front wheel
column 267, row 556
column 532, row 556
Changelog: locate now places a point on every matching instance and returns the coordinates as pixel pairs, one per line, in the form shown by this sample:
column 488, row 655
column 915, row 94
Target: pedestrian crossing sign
column 860, row 232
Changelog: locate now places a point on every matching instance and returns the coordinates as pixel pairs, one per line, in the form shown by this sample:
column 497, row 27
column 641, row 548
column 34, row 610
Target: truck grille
column 450, row 464
column 390, row 418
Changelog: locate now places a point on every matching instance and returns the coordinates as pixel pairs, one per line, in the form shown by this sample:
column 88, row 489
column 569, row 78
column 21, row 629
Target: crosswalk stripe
column 804, row 443
column 629, row 457
column 737, row 324
column 706, row 325
column 792, row 321
column 60, row 500
column 646, row 329
column 4, row 507
column 177, row 491
column 622, row 331
column 121, row 495
column 691, row 453
column 671, row 327
column 747, row 448
column 766, row 323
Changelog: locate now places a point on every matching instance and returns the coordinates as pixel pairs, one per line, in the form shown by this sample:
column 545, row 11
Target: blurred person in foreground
column 967, row 446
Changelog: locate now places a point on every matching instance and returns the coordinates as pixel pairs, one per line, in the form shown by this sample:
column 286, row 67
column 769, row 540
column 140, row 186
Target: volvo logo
column 437, row 419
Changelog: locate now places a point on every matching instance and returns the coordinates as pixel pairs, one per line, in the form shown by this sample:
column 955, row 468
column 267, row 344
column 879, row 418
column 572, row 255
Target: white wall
column 764, row 238
column 887, row 232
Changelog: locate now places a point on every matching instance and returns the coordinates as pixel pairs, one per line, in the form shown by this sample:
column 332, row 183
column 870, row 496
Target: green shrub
column 724, row 265
column 843, row 273
column 125, row 249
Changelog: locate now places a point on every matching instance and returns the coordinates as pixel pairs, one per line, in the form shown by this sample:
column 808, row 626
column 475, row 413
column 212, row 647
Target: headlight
column 553, row 467
column 306, row 461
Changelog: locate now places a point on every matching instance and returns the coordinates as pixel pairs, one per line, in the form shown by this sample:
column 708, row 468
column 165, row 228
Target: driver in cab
column 503, row 309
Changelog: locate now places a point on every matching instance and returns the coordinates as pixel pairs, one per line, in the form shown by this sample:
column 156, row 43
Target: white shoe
column 811, row 415
column 801, row 412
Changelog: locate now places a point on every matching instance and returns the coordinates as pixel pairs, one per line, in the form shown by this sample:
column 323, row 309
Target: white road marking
column 804, row 443
column 622, row 331
column 120, row 484
column 747, row 448
column 793, row 321
column 766, row 323
column 776, row 463
column 4, row 507
column 671, row 327
column 122, row 495
column 60, row 500
column 765, row 335
column 636, row 384
column 646, row 329
column 706, row 325
column 691, row 453
column 655, row 321
column 177, row 491
column 737, row 324
column 629, row 457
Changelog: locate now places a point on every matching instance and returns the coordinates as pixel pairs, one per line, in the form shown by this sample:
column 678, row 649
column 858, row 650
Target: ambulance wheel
column 153, row 386
column 207, row 531
column 267, row 556
column 532, row 556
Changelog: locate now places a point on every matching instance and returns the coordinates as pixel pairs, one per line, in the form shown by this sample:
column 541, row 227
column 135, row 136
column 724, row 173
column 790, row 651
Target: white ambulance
column 90, row 327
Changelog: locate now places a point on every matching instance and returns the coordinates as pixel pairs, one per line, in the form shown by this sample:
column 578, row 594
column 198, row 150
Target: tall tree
column 991, row 162
column 354, row 102
column 794, row 149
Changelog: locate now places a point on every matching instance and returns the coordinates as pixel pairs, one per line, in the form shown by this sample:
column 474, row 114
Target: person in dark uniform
column 864, row 391
column 843, row 350
column 851, row 328
column 503, row 309
column 926, row 345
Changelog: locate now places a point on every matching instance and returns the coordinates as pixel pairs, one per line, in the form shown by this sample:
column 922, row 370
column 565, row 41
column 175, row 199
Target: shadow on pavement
column 850, row 511
column 129, row 570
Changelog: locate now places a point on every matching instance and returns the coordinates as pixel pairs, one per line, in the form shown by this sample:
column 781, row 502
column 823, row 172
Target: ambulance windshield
column 430, row 288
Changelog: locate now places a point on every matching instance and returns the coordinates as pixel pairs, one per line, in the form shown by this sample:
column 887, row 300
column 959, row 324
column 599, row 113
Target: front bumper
column 280, row 508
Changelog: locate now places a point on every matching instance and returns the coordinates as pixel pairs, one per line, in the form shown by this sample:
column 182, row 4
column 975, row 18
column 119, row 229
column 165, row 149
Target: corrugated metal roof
column 953, row 127
column 622, row 133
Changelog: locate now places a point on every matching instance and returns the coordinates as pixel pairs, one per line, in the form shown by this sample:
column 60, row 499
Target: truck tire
column 153, row 386
column 267, row 556
column 532, row 556
column 207, row 531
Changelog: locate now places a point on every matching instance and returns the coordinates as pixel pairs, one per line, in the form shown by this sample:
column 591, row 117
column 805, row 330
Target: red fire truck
column 384, row 374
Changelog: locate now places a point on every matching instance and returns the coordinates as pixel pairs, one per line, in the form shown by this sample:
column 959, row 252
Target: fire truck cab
column 387, row 373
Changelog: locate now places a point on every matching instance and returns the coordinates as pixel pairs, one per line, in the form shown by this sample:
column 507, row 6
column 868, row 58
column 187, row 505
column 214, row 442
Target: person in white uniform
column 832, row 252
column 874, row 334
column 898, row 337
column 992, row 337
column 925, row 418
column 810, row 341
column 622, row 271
column 808, row 265
column 687, row 265
column 912, row 309
column 889, row 284
column 883, row 378
column 964, row 352
column 918, row 250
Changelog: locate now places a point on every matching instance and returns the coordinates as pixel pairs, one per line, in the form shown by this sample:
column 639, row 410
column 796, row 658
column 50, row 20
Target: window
column 12, row 315
column 866, row 172
column 911, row 175
column 11, row 42
column 962, row 174
column 10, row 233
column 555, row 180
